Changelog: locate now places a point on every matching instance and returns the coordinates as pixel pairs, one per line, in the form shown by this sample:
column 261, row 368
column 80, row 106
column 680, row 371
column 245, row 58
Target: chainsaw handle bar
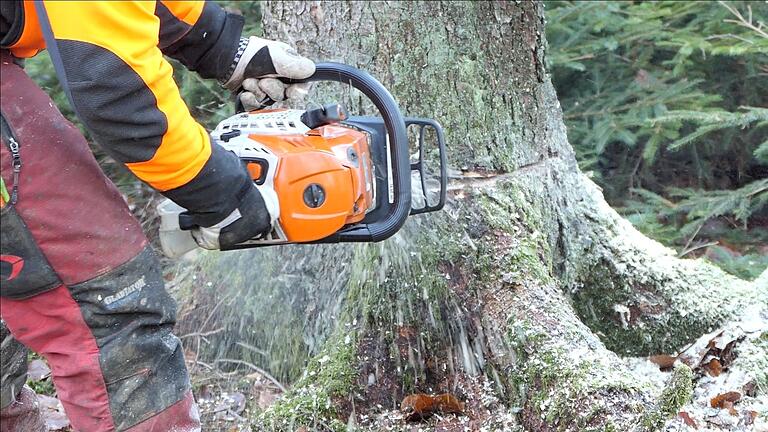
column 394, row 123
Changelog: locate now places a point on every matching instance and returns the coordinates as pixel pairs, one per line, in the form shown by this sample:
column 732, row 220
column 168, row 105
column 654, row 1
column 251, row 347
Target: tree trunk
column 500, row 297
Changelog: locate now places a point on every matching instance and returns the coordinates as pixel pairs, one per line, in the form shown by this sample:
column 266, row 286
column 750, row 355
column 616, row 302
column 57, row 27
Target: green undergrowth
column 665, row 107
column 310, row 402
column 677, row 393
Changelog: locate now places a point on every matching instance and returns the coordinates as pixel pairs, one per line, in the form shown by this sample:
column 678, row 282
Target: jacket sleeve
column 123, row 90
column 199, row 34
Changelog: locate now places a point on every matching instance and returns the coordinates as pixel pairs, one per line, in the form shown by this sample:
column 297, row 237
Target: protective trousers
column 80, row 284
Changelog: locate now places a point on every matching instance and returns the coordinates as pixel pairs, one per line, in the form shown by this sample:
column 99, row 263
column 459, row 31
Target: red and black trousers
column 79, row 283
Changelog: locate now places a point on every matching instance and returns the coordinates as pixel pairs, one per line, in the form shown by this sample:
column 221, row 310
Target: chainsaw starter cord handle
column 394, row 123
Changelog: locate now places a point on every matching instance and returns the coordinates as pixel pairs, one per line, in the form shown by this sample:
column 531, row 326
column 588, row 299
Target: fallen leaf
column 749, row 417
column 687, row 419
column 421, row 406
column 406, row 332
column 418, row 406
column 450, row 404
column 713, row 367
column 695, row 353
column 664, row 361
column 719, row 401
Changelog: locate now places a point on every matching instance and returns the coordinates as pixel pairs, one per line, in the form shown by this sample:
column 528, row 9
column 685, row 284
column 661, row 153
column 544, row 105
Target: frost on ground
column 731, row 377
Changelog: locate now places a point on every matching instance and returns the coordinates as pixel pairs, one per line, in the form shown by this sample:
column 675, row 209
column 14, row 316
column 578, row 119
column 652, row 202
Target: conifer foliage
column 666, row 104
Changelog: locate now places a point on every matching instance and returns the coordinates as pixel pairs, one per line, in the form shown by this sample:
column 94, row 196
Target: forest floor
column 726, row 396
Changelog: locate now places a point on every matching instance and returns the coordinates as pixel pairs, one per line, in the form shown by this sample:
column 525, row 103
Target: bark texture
column 507, row 288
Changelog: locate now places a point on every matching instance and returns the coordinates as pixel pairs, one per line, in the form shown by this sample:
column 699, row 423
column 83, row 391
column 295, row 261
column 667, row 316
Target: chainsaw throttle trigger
column 257, row 168
column 331, row 113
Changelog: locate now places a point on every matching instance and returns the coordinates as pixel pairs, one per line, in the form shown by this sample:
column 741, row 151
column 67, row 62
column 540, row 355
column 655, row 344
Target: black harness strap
column 53, row 50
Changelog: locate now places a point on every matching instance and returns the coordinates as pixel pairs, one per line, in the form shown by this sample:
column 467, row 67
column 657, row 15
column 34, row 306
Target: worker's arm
column 123, row 91
column 207, row 39
column 201, row 35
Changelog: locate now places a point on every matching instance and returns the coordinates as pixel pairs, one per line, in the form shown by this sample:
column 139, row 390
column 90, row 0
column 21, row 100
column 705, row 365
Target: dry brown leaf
column 418, row 406
column 749, row 417
column 728, row 405
column 421, row 406
column 450, row 404
column 720, row 400
column 695, row 353
column 687, row 419
column 406, row 332
column 713, row 368
column 664, row 361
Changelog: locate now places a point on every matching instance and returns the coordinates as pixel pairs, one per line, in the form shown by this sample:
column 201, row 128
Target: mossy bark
column 513, row 281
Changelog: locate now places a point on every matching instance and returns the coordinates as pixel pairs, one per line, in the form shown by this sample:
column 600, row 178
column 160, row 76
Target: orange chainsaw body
column 320, row 157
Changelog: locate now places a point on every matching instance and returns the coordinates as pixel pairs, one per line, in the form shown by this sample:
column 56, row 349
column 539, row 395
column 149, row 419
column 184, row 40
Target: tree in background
column 666, row 106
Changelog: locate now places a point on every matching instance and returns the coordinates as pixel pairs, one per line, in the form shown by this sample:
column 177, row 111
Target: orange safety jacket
column 123, row 90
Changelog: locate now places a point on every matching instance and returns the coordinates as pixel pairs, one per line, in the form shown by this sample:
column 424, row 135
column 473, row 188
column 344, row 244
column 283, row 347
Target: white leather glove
column 260, row 65
column 253, row 218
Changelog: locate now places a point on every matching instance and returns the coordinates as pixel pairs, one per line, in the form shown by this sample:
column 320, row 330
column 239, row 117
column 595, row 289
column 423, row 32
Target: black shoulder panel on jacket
column 11, row 22
column 172, row 29
column 210, row 46
column 113, row 101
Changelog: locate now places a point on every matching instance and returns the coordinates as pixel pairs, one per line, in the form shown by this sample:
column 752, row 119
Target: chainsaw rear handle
column 394, row 123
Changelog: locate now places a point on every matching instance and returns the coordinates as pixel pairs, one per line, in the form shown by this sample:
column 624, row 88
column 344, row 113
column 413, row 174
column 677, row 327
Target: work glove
column 253, row 218
column 261, row 62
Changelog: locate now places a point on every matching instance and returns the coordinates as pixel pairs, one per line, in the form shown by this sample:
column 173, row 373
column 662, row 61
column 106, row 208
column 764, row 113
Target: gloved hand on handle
column 261, row 62
column 256, row 68
column 253, row 218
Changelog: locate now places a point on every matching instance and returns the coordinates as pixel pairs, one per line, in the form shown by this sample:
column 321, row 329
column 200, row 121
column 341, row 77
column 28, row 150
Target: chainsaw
column 337, row 178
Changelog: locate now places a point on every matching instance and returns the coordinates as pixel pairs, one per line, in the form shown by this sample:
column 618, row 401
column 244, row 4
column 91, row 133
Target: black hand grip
column 186, row 221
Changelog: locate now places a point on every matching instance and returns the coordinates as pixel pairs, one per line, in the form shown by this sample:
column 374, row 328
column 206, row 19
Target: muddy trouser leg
column 19, row 410
column 89, row 295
